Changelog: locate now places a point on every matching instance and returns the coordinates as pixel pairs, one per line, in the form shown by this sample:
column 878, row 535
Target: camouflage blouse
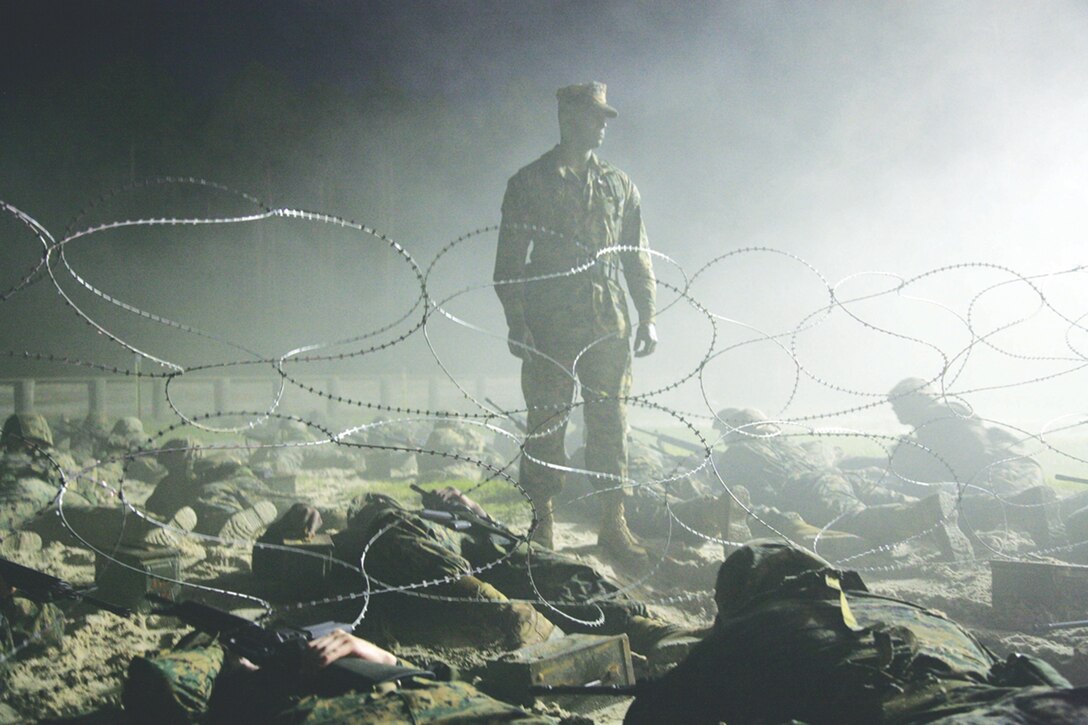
column 554, row 222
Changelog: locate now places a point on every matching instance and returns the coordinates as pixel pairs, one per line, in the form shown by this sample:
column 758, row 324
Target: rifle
column 43, row 588
column 1070, row 479
column 461, row 518
column 282, row 648
column 672, row 440
column 1052, row 626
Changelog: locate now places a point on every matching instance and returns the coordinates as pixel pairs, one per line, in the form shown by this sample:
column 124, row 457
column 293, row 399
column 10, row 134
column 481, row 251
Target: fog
column 847, row 146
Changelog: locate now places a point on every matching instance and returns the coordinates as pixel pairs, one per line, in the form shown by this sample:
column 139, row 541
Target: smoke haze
column 853, row 139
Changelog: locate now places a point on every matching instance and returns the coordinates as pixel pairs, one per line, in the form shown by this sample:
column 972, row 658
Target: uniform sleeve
column 510, row 256
column 638, row 268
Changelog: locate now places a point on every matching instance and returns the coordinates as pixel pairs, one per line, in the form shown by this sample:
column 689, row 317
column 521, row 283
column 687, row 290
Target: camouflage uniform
column 465, row 440
column 128, row 437
column 798, row 641
column 31, row 477
column 566, row 221
column 216, row 490
column 285, row 453
column 949, row 446
column 186, row 685
column 414, row 550
column 778, row 474
column 27, row 627
column 959, row 448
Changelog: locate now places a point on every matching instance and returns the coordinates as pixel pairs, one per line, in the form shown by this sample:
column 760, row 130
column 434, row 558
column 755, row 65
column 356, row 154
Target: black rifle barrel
column 42, row 587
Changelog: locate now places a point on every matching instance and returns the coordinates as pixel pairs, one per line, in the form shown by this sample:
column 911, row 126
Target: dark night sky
column 433, row 48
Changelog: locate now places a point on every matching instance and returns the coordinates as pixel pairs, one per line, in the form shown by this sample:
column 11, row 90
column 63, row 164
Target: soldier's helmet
column 26, row 429
column 127, row 433
column 742, row 421
column 294, row 431
column 911, row 400
column 758, row 568
column 179, row 454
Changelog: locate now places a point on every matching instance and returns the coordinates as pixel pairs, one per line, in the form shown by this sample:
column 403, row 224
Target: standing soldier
column 566, row 311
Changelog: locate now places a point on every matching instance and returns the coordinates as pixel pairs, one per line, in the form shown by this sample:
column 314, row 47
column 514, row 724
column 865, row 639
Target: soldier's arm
column 638, row 269
column 510, row 256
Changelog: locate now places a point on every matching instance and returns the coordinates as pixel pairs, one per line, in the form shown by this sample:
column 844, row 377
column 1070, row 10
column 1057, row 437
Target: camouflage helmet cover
column 126, row 432
column 294, row 431
column 758, row 568
column 179, row 451
column 751, row 420
column 31, row 427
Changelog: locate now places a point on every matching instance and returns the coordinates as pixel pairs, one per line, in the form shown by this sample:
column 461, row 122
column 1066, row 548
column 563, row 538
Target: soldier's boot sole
column 940, row 512
column 183, row 520
column 490, row 617
column 249, row 524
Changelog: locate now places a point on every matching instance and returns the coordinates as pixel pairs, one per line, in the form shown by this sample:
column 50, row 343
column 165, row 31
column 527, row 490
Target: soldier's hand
column 323, row 651
column 645, row 339
column 525, row 338
column 453, row 498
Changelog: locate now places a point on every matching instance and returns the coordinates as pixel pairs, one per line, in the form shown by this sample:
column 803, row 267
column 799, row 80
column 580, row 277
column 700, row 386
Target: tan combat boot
column 544, row 534
column 938, row 513
column 660, row 642
column 250, row 523
column 613, row 535
column 489, row 616
column 183, row 520
column 769, row 522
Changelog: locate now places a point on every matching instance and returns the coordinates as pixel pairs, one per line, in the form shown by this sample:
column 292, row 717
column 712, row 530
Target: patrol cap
column 592, row 94
column 31, row 427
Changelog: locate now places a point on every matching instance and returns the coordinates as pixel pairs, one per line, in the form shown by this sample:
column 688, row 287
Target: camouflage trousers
column 604, row 371
column 411, row 550
column 189, row 685
column 21, row 500
column 26, row 504
column 27, row 627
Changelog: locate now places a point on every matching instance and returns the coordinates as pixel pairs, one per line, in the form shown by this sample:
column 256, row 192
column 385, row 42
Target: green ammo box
column 576, row 659
column 302, row 565
column 287, row 483
column 130, row 573
column 1034, row 592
